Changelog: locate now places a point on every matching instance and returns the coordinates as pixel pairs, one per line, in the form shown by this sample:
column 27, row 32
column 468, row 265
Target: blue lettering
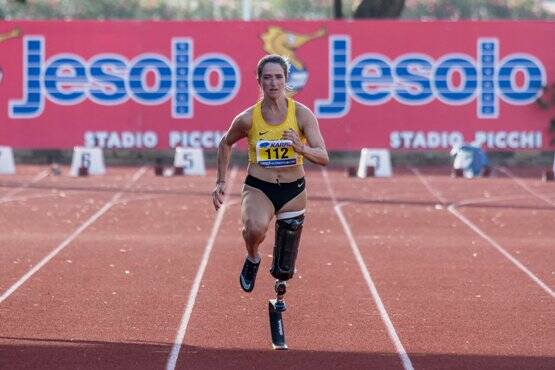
column 182, row 101
column 371, row 79
column 417, row 79
column 227, row 78
column 138, row 84
column 337, row 104
column 446, row 91
column 110, row 79
column 534, row 79
column 488, row 102
column 414, row 73
column 214, row 79
column 109, row 72
column 32, row 103
column 65, row 79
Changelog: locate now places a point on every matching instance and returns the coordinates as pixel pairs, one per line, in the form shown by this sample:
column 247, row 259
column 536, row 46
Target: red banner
column 396, row 85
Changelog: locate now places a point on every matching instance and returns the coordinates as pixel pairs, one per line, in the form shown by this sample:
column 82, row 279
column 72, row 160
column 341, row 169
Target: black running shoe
column 248, row 275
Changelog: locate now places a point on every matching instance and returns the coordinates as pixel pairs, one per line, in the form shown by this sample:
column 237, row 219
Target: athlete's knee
column 254, row 230
column 288, row 236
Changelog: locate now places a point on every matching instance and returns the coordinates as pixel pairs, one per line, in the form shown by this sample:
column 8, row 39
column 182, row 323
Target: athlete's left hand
column 295, row 139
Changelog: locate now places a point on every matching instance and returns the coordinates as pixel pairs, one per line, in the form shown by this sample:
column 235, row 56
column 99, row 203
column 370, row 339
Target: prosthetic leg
column 275, row 308
column 288, row 235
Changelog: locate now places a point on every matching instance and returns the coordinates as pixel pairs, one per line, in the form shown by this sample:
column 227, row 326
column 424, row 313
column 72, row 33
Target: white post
column 246, row 7
column 216, row 10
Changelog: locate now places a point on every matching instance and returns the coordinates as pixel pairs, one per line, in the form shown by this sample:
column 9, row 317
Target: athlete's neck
column 274, row 104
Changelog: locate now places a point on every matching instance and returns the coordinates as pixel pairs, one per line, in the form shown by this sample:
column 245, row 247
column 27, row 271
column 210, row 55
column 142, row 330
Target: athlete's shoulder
column 302, row 111
column 244, row 119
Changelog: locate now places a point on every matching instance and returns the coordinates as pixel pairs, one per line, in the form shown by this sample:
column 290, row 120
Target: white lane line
column 428, row 186
column 41, row 175
column 178, row 342
column 28, row 197
column 407, row 364
column 70, row 238
column 482, row 200
column 501, row 250
column 465, row 201
column 453, row 209
column 523, row 185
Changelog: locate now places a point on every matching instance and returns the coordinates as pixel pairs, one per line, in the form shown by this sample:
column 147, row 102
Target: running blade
column 276, row 326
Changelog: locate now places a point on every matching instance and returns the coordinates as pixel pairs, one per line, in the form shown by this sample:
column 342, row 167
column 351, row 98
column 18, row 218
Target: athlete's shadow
column 47, row 354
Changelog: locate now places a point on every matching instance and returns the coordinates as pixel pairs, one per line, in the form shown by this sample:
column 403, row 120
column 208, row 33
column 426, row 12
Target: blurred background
column 536, row 125
column 277, row 9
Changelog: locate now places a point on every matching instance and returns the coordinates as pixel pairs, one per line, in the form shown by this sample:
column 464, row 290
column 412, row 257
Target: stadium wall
column 405, row 86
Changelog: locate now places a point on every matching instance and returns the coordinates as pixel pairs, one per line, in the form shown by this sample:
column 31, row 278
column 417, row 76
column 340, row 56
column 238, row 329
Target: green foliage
column 261, row 9
column 474, row 9
column 294, row 9
column 168, row 9
column 84, row 9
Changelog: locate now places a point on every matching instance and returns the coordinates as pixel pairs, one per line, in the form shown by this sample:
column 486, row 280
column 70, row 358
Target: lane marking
column 178, row 342
column 501, row 250
column 425, row 182
column 523, row 185
column 28, row 197
column 482, row 200
column 407, row 364
column 41, row 175
column 452, row 208
column 464, row 202
column 71, row 237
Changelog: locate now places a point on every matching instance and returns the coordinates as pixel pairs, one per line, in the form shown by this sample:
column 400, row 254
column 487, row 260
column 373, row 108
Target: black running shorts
column 278, row 193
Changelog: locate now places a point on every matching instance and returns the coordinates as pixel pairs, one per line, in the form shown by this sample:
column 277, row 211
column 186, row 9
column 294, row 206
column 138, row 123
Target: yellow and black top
column 266, row 146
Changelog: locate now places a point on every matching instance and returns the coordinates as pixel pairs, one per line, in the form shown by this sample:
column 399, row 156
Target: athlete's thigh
column 255, row 206
column 296, row 204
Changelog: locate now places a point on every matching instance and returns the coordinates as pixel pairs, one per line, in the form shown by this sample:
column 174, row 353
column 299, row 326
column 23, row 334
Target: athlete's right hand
column 218, row 195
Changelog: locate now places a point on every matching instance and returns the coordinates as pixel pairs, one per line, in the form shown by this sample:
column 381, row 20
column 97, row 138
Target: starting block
column 549, row 173
column 351, row 171
column 189, row 161
column 158, row 167
column 7, row 163
column 87, row 161
column 374, row 162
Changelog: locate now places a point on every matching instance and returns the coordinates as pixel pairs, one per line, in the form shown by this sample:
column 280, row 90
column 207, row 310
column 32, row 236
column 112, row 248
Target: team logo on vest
column 285, row 43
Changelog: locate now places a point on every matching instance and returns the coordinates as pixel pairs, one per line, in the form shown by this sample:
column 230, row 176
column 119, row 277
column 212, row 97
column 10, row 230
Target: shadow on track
column 47, row 354
column 206, row 193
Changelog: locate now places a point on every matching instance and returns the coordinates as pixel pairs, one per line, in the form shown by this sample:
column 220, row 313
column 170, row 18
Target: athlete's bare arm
column 315, row 149
column 239, row 129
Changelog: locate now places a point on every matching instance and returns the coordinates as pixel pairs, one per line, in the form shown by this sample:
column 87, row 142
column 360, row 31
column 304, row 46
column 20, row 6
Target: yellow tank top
column 266, row 146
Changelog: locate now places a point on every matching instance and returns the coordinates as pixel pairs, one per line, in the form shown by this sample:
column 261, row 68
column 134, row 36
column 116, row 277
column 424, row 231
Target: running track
column 134, row 271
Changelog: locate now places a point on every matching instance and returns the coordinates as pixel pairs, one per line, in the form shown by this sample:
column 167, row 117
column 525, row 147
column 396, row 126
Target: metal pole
column 246, row 8
column 337, row 9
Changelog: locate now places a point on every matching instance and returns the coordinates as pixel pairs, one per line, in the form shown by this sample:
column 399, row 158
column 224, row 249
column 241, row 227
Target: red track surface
column 113, row 295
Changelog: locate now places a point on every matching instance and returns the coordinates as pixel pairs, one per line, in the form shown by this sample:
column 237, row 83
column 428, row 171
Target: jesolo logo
column 16, row 32
column 111, row 79
column 370, row 79
column 417, row 79
column 285, row 43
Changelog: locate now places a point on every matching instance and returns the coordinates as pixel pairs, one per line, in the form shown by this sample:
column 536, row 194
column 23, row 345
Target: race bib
column 275, row 153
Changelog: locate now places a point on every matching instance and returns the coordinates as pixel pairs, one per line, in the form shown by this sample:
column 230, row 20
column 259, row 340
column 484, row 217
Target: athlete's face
column 272, row 80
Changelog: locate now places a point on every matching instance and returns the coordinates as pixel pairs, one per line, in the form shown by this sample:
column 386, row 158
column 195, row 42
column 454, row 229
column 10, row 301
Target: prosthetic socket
column 288, row 235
